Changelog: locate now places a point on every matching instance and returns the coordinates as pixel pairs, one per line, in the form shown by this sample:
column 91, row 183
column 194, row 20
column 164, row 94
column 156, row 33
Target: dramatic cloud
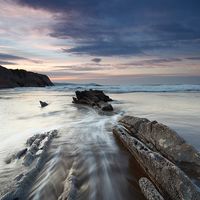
column 150, row 63
column 94, row 38
column 96, row 60
column 101, row 48
column 128, row 27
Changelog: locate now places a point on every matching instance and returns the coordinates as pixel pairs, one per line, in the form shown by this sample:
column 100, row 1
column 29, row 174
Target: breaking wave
column 130, row 88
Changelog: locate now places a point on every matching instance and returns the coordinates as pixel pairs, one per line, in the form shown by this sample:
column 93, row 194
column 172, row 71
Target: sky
column 103, row 41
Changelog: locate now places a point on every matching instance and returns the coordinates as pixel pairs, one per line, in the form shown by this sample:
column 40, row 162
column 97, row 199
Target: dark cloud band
column 123, row 27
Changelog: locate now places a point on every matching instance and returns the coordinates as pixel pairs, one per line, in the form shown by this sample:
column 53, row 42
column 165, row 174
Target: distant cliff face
column 10, row 78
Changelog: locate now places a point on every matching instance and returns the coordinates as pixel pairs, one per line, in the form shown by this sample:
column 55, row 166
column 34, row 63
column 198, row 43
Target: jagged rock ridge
column 166, row 158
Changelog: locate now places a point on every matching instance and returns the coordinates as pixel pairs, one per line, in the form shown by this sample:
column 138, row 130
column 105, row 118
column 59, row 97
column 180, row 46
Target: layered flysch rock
column 70, row 186
column 164, row 155
column 161, row 138
column 94, row 98
column 10, row 78
column 34, row 158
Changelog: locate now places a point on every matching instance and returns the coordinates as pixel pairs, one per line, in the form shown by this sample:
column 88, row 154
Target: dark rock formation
column 171, row 181
column 162, row 139
column 43, row 104
column 17, row 155
column 38, row 142
column 21, row 153
column 10, row 78
column 35, row 145
column 94, row 98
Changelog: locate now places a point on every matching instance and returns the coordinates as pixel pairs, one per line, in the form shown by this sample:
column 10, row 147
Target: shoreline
column 155, row 146
column 80, row 110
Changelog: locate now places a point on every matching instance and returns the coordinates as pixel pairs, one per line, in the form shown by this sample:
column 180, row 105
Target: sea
column 86, row 147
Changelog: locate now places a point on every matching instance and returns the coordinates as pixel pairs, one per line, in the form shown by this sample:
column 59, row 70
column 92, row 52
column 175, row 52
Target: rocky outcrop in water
column 94, row 98
column 164, row 140
column 34, row 159
column 18, row 155
column 160, row 150
column 10, row 78
column 43, row 104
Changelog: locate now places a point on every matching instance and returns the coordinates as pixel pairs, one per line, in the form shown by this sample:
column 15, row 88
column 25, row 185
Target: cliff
column 10, row 78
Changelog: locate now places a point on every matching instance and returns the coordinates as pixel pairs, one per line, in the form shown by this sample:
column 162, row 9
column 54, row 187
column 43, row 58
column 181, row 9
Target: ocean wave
column 130, row 88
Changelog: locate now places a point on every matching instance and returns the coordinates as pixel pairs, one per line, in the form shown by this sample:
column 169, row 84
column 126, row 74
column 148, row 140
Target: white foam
column 130, row 88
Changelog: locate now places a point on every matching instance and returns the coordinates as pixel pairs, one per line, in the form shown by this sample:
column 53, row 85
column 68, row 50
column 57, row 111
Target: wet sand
column 85, row 159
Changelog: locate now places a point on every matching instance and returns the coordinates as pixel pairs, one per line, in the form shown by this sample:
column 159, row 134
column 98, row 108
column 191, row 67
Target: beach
column 85, row 146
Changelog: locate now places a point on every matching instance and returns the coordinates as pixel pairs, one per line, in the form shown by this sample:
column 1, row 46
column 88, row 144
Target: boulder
column 94, row 98
column 43, row 104
column 10, row 78
column 17, row 155
column 21, row 153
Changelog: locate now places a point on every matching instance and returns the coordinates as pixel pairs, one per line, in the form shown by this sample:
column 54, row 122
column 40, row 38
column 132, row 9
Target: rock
column 34, row 148
column 32, row 139
column 164, row 140
column 10, row 78
column 35, row 143
column 14, row 156
column 132, row 123
column 9, row 159
column 19, row 177
column 21, row 153
column 70, row 187
column 149, row 190
column 94, row 98
column 43, row 104
column 24, row 181
column 29, row 158
column 169, row 178
column 106, row 107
